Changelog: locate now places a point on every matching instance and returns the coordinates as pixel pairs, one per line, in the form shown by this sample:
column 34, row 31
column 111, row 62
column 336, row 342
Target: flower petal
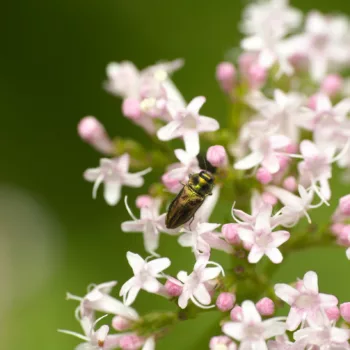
column 294, row 319
column 263, row 219
column 255, row 254
column 250, row 161
column 196, row 104
column 202, row 295
column 132, row 226
column 191, row 140
column 206, row 124
column 136, row 262
column 310, row 281
column 246, row 235
column 279, row 237
column 234, row 330
column 131, row 295
column 210, row 273
column 158, row 265
column 287, row 293
column 250, row 313
column 169, row 131
column 274, row 255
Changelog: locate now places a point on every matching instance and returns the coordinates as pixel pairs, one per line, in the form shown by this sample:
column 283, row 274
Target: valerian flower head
column 146, row 274
column 261, row 238
column 307, row 304
column 151, row 224
column 194, row 285
column 114, row 173
column 251, row 331
column 188, row 123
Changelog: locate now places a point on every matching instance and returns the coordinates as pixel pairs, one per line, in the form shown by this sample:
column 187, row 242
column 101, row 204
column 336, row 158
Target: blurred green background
column 53, row 236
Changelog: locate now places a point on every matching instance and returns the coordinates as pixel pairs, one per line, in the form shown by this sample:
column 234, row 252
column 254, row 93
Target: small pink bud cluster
column 144, row 201
column 217, row 156
column 345, row 311
column 131, row 342
column 236, row 314
column 225, row 301
column 92, row 131
column 332, row 85
column 120, row 323
column 131, row 108
column 340, row 228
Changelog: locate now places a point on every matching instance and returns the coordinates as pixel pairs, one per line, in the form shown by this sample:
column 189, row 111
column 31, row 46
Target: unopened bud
column 344, row 205
column 333, row 313
column 290, row 183
column 173, row 289
column 217, row 156
column 225, row 301
column 120, row 323
column 269, row 198
column 265, row 307
column 236, row 314
column 144, row 201
column 222, row 342
column 93, row 132
column 230, row 232
column 257, row 76
column 131, row 108
column 332, row 84
column 130, row 342
column 263, row 176
column 226, row 76
column 345, row 311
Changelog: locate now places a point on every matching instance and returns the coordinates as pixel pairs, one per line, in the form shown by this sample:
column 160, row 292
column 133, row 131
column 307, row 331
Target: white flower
column 295, row 206
column 325, row 42
column 152, row 86
column 178, row 173
column 150, row 224
column 282, row 113
column 316, row 167
column 94, row 340
column 307, row 304
column 267, row 23
column 188, row 123
column 252, row 332
column 282, row 342
column 145, row 276
column 114, row 173
column 194, row 287
column 98, row 299
column 263, row 147
column 325, row 337
column 202, row 238
column 261, row 238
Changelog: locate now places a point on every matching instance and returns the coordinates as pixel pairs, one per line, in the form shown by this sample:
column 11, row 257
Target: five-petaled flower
column 146, row 274
column 114, row 173
column 188, row 123
column 307, row 304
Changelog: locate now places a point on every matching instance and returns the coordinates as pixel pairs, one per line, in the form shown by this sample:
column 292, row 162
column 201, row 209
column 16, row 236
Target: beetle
column 189, row 199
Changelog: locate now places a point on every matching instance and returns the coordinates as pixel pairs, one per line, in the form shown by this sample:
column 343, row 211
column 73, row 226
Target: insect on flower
column 189, row 199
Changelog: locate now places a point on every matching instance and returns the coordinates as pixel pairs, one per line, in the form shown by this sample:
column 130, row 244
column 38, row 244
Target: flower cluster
column 289, row 127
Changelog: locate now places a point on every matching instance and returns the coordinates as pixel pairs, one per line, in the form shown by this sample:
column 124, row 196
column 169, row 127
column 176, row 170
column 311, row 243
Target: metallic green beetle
column 189, row 199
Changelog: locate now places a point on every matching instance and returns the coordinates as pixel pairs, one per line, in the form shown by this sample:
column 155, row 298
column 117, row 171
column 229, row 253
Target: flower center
column 190, row 121
column 263, row 240
column 253, row 331
column 306, row 301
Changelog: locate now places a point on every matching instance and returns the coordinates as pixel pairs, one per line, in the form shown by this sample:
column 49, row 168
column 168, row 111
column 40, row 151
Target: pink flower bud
column 120, row 323
column 344, row 205
column 173, row 289
column 265, row 307
column 283, row 162
column 236, row 313
column 217, row 156
column 93, row 132
column 225, row 301
column 337, row 229
column 230, row 232
column 345, row 311
column 292, row 148
column 263, row 176
column 290, row 183
column 144, row 201
column 269, row 198
column 333, row 313
column 226, row 76
column 131, row 108
column 245, row 61
column 222, row 342
column 173, row 185
column 312, row 103
column 130, row 342
column 344, row 235
column 256, row 76
column 332, row 84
